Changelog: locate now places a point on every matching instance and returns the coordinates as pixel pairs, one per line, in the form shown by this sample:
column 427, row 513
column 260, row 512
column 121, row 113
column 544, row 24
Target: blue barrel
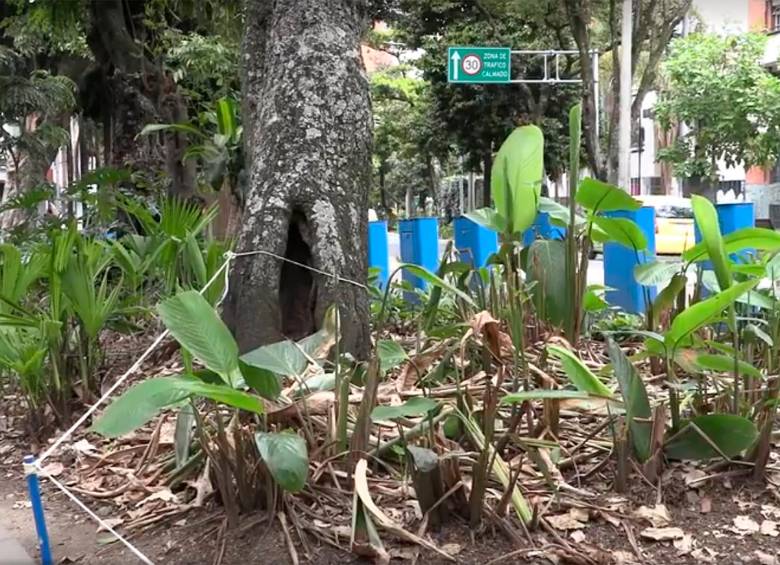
column 419, row 246
column 476, row 243
column 542, row 228
column 378, row 256
column 732, row 216
column 619, row 263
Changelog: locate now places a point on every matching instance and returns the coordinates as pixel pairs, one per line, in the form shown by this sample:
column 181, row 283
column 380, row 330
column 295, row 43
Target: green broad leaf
column 730, row 433
column 315, row 383
column 579, row 375
column 725, row 364
column 593, row 300
column 750, row 298
column 707, row 222
column 704, row 312
column 182, row 436
column 287, row 458
column 575, row 143
column 543, row 394
column 227, row 124
column 391, row 354
column 139, row 404
column 753, row 331
column 637, row 405
column 558, row 213
column 597, row 197
column 656, row 273
column 198, row 328
column 415, row 406
column 222, row 394
column 516, row 177
column 760, row 239
column 430, row 278
column 546, row 267
column 284, row 358
column 488, row 218
column 624, row 231
column 264, row 382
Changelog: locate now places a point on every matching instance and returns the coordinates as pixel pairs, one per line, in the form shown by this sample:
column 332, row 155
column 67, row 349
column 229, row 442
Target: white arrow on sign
column 455, row 61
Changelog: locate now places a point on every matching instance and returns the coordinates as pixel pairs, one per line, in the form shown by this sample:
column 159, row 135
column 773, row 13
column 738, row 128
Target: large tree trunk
column 308, row 119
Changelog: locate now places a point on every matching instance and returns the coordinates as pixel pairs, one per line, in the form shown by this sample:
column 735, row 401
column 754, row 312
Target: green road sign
column 478, row 64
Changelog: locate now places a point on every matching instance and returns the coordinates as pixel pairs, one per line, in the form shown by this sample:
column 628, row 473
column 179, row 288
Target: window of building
column 773, row 13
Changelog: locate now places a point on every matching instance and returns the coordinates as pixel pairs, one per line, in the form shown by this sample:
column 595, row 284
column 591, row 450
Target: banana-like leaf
column 546, row 267
column 415, row 406
column 516, row 177
column 283, row 358
column 667, row 298
column 579, row 375
column 597, row 197
column 488, row 218
column 725, row 364
column 707, row 222
column 656, row 273
column 638, row 411
column 624, row 231
column 702, row 313
column 390, row 353
column 430, row 278
column 760, row 239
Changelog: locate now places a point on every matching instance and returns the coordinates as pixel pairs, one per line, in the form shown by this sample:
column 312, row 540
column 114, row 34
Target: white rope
column 133, row 368
column 137, row 552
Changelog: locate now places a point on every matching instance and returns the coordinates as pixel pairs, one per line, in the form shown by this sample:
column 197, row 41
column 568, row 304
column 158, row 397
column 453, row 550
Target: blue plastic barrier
column 378, row 255
column 732, row 216
column 544, row 229
column 419, row 246
column 476, row 243
column 619, row 263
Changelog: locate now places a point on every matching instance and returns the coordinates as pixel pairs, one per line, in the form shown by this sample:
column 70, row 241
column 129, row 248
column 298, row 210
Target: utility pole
column 624, row 139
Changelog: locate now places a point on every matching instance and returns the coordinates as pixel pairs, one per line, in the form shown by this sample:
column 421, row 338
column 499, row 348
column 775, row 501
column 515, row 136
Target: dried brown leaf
column 662, row 534
column 658, row 516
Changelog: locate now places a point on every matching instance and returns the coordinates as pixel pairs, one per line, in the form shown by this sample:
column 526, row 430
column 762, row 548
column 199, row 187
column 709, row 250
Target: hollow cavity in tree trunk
column 297, row 290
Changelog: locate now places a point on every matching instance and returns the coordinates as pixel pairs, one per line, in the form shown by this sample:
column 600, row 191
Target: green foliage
column 638, row 412
column 545, row 268
column 717, row 86
column 415, row 406
column 196, row 326
column 579, row 375
column 391, row 354
column 712, row 435
column 286, row 457
column 707, row 222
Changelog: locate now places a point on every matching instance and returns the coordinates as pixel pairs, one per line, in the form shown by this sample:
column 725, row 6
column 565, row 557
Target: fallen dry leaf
column 110, row 522
column 766, row 558
column 705, row 505
column 564, row 522
column 452, row 548
column 577, row 536
column 662, row 534
column 684, row 545
column 694, row 477
column 769, row 528
column 770, row 511
column 745, row 525
column 579, row 514
column 658, row 516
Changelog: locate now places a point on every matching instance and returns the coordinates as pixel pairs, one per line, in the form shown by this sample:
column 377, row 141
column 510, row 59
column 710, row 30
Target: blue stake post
column 544, row 229
column 378, row 256
column 732, row 216
column 476, row 243
column 419, row 246
column 619, row 263
column 37, row 507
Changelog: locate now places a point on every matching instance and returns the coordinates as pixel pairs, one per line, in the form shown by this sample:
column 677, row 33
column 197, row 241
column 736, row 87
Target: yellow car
column 674, row 231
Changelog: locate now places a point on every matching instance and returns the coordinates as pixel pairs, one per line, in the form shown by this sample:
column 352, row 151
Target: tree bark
column 308, row 118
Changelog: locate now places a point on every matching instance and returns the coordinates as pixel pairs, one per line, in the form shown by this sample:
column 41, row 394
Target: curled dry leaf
column 658, row 516
column 418, row 365
column 766, row 558
column 577, row 536
column 54, row 469
column 568, row 521
column 662, row 534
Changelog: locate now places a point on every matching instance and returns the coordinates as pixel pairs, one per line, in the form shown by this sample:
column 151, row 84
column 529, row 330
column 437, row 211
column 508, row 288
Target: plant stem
column 674, row 400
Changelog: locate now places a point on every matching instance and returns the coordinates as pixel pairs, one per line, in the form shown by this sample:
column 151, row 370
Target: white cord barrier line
column 133, row 368
column 98, row 519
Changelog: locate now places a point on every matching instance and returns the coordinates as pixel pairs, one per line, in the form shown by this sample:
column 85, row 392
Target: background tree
column 307, row 118
column 478, row 117
column 597, row 22
column 729, row 103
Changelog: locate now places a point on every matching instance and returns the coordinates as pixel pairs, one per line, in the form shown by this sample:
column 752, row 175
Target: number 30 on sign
column 478, row 64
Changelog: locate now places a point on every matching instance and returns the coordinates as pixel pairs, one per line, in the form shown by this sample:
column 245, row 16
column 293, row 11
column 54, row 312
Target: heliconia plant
column 515, row 183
